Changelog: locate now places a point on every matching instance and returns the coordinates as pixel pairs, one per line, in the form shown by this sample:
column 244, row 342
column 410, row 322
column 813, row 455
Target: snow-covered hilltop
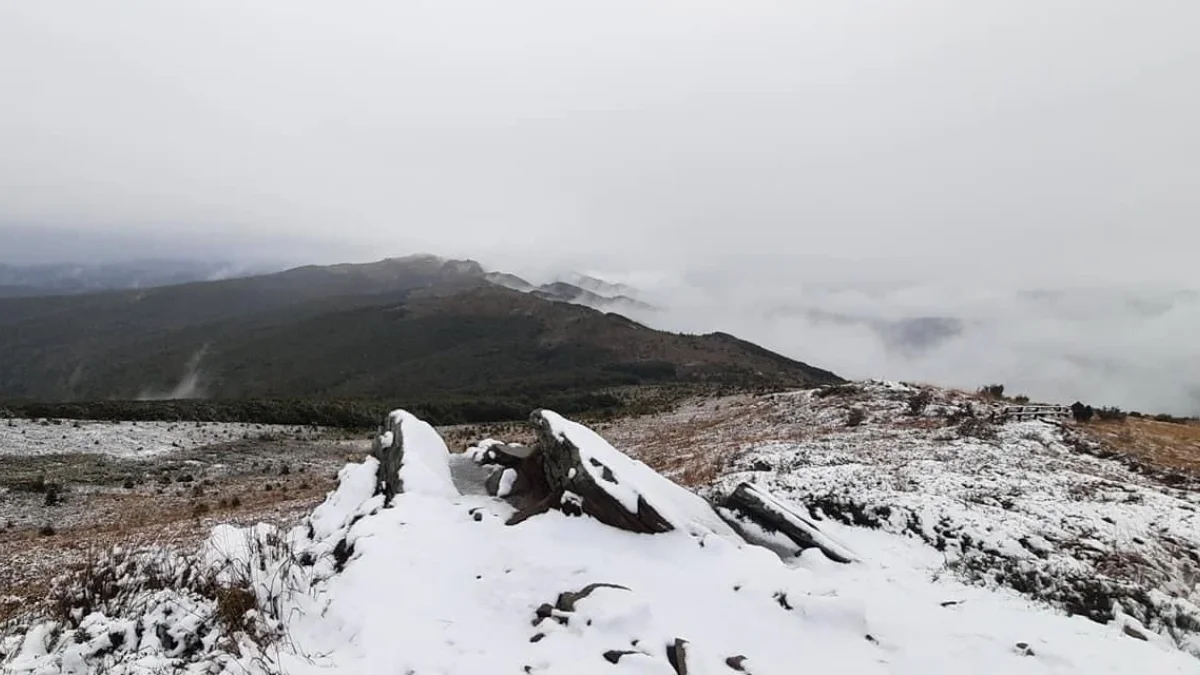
column 412, row 566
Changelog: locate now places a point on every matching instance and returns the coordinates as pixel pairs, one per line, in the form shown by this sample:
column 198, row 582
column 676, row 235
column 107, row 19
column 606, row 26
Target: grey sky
column 720, row 155
column 926, row 135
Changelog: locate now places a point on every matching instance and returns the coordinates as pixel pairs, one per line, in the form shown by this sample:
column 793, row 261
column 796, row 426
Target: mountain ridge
column 346, row 331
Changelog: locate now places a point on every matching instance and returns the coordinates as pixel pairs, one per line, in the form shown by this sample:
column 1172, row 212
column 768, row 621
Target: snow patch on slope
column 24, row 437
column 1014, row 505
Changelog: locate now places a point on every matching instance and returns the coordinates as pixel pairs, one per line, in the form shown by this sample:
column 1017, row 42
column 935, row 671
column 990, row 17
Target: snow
column 356, row 485
column 789, row 513
column 1024, row 509
column 438, row 584
column 479, row 452
column 426, row 464
column 631, row 480
column 464, row 594
column 124, row 439
column 507, row 480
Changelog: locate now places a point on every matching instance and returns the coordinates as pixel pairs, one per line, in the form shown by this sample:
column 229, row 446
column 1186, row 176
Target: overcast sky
column 721, row 155
column 1036, row 138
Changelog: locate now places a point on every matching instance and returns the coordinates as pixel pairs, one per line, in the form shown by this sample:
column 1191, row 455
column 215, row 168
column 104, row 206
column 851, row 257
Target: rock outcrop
column 412, row 458
column 760, row 517
column 573, row 470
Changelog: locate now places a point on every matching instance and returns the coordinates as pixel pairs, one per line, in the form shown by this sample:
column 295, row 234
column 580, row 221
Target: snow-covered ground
column 1021, row 505
column 124, row 439
column 438, row 583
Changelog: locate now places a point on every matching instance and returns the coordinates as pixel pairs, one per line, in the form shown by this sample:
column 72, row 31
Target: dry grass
column 695, row 444
column 1161, row 444
column 28, row 561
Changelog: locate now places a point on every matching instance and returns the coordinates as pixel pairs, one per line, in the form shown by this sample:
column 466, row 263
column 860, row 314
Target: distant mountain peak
column 580, row 290
column 510, row 281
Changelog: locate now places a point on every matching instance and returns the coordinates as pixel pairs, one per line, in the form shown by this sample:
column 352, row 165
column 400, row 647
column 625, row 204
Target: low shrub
column 1081, row 412
column 856, row 417
column 992, row 391
column 919, row 401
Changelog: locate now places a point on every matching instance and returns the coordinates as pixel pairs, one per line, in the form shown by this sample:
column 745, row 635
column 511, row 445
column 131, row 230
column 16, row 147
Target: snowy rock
column 750, row 503
column 490, row 451
column 608, row 485
column 505, row 483
column 412, row 458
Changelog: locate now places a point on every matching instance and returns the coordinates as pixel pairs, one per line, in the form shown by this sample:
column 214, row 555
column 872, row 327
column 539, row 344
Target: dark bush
column 856, row 417
column 1111, row 414
column 976, row 427
column 919, row 401
column 234, row 604
column 1081, row 412
column 1169, row 419
column 993, row 391
column 561, row 395
column 46, row 530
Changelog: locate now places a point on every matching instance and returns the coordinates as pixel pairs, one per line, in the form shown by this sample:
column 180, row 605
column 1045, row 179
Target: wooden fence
column 1019, row 413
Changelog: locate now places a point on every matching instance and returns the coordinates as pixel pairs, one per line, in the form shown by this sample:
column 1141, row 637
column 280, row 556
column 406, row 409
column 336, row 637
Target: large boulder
column 412, row 457
column 574, row 470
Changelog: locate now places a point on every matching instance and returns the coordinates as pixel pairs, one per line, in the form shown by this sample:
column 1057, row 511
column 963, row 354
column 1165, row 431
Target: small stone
column 614, row 656
column 782, row 599
column 544, row 612
column 1134, row 633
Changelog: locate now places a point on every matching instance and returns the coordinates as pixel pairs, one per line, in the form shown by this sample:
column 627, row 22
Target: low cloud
column 1128, row 346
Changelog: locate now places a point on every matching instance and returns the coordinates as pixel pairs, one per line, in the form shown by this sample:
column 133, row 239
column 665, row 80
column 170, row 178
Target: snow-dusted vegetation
column 1031, row 506
column 1021, row 505
column 442, row 581
column 27, row 437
